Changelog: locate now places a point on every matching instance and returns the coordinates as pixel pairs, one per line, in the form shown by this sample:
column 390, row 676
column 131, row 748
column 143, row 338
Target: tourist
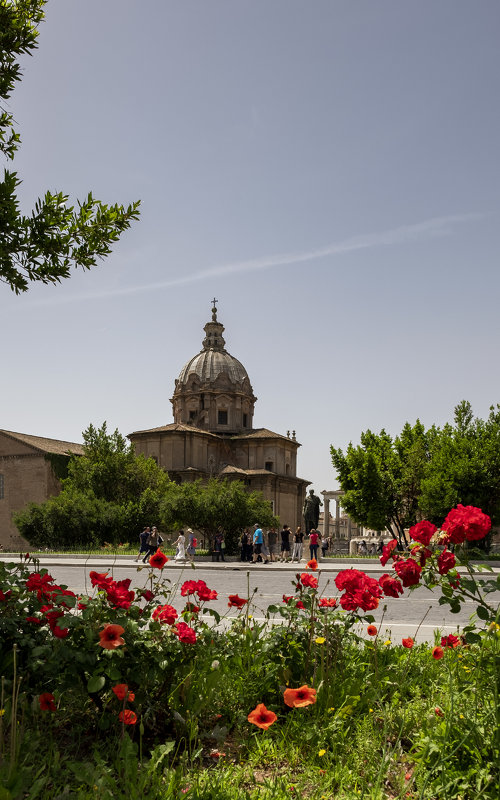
column 363, row 550
column 219, row 547
column 285, row 543
column 272, row 541
column 180, row 543
column 192, row 544
column 154, row 541
column 313, row 543
column 143, row 541
column 324, row 546
column 257, row 541
column 298, row 540
column 244, row 542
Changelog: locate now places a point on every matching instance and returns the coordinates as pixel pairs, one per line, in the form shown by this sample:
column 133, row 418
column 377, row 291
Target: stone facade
column 212, row 434
column 26, row 476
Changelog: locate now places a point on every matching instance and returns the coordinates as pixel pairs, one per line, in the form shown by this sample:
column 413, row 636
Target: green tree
column 464, row 466
column 55, row 237
column 108, row 496
column 381, row 478
column 216, row 506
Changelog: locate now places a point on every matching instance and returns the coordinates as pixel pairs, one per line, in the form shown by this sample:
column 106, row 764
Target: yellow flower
column 387, row 642
column 320, row 640
column 370, row 710
column 2, row 712
column 322, row 752
column 331, row 709
column 462, row 716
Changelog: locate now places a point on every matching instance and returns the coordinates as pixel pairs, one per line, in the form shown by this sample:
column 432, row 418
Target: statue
column 311, row 511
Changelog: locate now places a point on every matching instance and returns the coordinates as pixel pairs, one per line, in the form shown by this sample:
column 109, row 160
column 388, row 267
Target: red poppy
column 298, row 698
column 439, row 712
column 110, row 637
column 408, row 642
column 262, row 717
column 122, row 692
column 309, row 580
column 437, row 652
column 158, row 560
column 312, row 564
column 166, row 614
column 423, row 532
column 46, row 701
column 237, row 602
column 371, row 630
column 127, row 716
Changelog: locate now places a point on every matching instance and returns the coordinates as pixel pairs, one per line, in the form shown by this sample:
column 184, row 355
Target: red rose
column 185, row 633
column 423, row 532
column 446, row 561
column 387, row 550
column 409, row 571
column 391, row 587
column 327, row 602
column 309, row 580
column 237, row 602
column 450, row 641
column 466, row 523
column 166, row 614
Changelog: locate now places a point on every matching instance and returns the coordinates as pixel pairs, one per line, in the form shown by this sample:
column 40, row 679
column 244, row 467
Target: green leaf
column 95, row 684
column 482, row 612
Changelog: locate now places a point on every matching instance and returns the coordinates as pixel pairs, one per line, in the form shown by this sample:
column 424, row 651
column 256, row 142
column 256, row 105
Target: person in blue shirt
column 258, row 539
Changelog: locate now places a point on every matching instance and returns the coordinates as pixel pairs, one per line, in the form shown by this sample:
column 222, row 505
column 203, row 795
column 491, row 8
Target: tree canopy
column 421, row 474
column 44, row 245
column 224, row 506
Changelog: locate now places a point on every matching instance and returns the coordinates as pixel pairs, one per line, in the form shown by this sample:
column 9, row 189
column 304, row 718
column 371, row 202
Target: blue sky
column 329, row 171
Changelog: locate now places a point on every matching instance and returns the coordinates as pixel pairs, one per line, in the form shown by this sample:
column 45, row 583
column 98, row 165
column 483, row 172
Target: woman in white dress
column 181, row 547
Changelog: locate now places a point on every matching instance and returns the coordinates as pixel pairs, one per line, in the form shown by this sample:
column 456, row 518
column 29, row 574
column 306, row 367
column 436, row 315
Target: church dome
column 213, row 390
column 208, row 364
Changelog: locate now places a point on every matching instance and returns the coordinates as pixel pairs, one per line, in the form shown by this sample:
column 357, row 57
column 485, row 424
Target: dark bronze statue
column 311, row 511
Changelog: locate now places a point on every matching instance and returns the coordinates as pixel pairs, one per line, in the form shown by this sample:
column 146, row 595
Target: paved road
column 401, row 617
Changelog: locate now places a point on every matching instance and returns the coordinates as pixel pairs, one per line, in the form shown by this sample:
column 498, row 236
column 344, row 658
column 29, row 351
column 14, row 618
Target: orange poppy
column 371, row 630
column 437, row 653
column 408, row 642
column 312, row 564
column 128, row 717
column 298, row 698
column 262, row 717
column 110, row 637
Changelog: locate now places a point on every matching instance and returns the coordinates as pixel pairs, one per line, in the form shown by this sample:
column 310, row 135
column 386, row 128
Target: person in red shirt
column 313, row 543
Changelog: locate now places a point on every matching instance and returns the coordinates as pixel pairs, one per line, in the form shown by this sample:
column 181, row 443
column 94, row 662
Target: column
column 337, row 518
column 326, row 518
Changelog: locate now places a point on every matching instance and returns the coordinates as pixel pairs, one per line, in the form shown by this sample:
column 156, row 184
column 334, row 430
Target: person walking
column 324, row 546
column 257, row 540
column 313, row 543
column 154, row 541
column 180, row 554
column 285, row 543
column 298, row 539
column 143, row 542
column 244, row 541
column 192, row 544
column 219, row 547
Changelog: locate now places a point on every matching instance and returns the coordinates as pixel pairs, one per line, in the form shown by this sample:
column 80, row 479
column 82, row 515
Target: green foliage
column 216, row 506
column 381, row 478
column 464, row 466
column 108, row 496
column 56, row 236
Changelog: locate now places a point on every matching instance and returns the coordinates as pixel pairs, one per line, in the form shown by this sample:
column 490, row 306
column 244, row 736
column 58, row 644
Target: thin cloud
column 438, row 226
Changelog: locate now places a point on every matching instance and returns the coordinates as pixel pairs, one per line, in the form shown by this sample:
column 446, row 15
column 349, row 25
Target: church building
column 213, row 435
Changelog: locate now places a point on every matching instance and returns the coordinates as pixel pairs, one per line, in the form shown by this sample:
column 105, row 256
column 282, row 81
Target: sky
column 329, row 171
